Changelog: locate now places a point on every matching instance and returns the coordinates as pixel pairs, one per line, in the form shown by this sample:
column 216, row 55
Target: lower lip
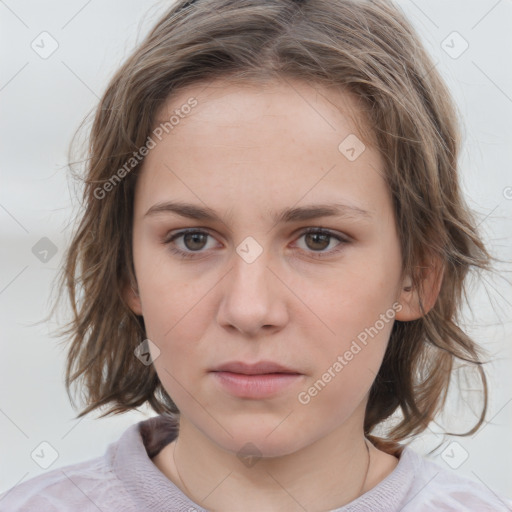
column 255, row 386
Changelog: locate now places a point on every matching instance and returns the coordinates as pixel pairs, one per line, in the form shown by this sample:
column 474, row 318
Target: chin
column 262, row 445
column 261, row 437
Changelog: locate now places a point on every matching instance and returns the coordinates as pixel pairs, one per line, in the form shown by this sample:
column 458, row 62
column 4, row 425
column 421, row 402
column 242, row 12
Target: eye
column 192, row 241
column 318, row 239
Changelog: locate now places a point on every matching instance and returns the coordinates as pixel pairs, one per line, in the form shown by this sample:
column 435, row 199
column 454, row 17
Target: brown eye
column 195, row 241
column 317, row 241
column 192, row 243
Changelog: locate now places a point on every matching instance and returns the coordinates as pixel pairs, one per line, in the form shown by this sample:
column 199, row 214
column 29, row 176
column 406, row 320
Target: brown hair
column 365, row 47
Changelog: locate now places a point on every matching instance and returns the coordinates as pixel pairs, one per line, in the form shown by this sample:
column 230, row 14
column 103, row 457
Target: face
column 267, row 263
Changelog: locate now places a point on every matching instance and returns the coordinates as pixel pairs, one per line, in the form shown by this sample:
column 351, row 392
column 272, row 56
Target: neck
column 327, row 474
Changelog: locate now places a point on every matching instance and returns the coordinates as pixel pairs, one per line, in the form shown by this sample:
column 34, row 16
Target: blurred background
column 57, row 58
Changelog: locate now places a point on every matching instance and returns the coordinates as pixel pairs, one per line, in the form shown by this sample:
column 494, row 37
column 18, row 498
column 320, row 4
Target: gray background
column 42, row 102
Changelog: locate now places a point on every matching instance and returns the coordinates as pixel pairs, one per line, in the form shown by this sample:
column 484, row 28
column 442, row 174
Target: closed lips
column 260, row 368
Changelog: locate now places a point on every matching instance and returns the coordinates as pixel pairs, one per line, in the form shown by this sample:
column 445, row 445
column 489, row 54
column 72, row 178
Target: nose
column 253, row 298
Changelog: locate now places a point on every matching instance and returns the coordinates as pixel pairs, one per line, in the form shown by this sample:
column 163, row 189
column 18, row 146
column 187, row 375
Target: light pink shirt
column 125, row 479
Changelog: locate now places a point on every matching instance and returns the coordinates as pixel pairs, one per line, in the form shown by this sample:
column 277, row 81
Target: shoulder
column 57, row 490
column 124, row 479
column 85, row 486
column 435, row 487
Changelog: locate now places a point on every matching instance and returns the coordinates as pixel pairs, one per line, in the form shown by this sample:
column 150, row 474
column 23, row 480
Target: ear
column 431, row 277
column 131, row 297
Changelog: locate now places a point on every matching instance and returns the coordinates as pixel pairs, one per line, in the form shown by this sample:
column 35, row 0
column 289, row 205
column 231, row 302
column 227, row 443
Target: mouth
column 255, row 381
column 260, row 368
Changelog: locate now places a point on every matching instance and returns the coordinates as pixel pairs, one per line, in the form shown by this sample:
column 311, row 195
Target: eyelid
column 342, row 238
column 326, row 231
column 172, row 235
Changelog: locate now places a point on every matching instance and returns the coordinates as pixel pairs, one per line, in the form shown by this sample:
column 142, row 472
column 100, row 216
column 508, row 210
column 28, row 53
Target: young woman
column 272, row 254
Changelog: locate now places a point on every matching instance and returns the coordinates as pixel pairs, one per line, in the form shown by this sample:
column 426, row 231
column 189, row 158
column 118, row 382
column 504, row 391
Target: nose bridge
column 250, row 298
column 249, row 277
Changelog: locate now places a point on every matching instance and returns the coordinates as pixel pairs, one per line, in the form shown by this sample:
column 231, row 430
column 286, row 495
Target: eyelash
column 316, row 254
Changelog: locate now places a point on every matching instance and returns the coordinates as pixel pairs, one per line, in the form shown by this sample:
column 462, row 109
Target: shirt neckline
column 150, row 489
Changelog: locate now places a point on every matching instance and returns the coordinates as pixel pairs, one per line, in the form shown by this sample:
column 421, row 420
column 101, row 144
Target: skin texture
column 246, row 151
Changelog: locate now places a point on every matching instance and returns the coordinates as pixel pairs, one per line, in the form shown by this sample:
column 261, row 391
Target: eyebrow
column 287, row 215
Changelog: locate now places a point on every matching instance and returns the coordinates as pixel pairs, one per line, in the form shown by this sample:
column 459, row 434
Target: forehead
column 272, row 142
column 270, row 99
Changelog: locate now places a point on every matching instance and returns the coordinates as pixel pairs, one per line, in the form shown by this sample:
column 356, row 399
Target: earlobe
column 409, row 298
column 132, row 298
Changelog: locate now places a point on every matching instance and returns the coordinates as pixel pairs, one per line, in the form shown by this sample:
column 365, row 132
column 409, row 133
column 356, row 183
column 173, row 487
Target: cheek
column 168, row 297
column 175, row 318
column 352, row 299
column 177, row 315
column 368, row 289
column 356, row 306
column 346, row 364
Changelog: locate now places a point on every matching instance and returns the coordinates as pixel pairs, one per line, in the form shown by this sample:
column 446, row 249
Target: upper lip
column 259, row 368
